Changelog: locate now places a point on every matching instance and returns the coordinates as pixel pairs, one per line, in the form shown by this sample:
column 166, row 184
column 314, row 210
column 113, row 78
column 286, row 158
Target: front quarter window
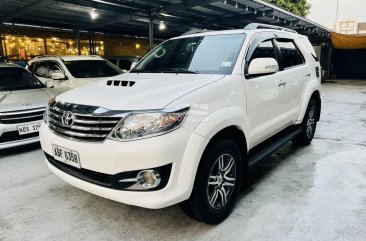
column 213, row 54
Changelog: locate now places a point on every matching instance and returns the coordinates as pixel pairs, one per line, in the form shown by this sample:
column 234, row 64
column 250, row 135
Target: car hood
column 148, row 91
column 24, row 99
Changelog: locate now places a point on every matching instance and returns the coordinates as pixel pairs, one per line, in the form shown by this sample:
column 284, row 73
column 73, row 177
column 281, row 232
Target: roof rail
column 253, row 26
column 196, row 31
column 46, row 56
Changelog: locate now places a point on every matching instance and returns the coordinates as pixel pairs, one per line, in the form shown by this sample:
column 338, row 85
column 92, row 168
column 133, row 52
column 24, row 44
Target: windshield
column 92, row 68
column 12, row 78
column 215, row 54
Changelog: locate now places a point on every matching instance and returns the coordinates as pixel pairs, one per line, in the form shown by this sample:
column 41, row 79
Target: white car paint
column 16, row 102
column 71, row 82
column 259, row 107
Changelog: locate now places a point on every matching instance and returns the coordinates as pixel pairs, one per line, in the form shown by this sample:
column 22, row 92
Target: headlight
column 142, row 125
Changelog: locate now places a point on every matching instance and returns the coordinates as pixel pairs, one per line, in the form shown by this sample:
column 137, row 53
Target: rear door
column 295, row 73
column 264, row 103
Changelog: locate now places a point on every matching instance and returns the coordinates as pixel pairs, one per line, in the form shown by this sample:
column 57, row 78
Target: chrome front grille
column 87, row 125
column 21, row 116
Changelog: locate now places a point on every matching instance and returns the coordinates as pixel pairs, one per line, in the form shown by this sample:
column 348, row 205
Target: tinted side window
column 291, row 55
column 113, row 61
column 264, row 50
column 53, row 67
column 124, row 64
column 40, row 69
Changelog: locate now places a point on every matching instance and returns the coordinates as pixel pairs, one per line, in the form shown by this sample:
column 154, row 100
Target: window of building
column 19, row 48
column 344, row 24
column 351, row 24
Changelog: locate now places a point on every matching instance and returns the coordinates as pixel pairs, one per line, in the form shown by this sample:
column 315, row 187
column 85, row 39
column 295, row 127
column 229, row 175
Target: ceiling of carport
column 131, row 17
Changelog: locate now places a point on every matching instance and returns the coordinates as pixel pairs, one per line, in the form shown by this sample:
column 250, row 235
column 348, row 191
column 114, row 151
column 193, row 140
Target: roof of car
column 236, row 31
column 9, row 65
column 68, row 57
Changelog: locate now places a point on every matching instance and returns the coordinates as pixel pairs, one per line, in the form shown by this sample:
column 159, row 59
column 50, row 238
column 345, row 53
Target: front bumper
column 181, row 149
column 10, row 138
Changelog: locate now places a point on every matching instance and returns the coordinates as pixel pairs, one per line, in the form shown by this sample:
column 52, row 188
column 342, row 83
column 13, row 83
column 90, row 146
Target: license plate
column 30, row 128
column 66, row 156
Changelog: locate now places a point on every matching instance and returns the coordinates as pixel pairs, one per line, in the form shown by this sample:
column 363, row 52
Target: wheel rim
column 221, row 181
column 310, row 124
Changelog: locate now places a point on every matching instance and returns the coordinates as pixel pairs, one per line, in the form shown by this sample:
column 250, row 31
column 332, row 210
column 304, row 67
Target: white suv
column 188, row 121
column 69, row 72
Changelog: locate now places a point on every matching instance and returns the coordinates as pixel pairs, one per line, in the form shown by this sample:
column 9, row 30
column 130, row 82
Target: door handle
column 282, row 83
column 308, row 75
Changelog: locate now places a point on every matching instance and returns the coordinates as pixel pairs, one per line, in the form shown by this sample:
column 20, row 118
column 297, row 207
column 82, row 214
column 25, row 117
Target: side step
column 269, row 146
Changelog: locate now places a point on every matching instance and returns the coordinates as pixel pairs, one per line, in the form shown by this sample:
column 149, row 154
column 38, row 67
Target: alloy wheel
column 221, row 181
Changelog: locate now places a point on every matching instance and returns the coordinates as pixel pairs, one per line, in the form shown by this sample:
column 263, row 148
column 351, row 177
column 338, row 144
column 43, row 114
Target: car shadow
column 266, row 166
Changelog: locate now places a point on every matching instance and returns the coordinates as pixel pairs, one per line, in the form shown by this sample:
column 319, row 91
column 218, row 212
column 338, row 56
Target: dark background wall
column 349, row 63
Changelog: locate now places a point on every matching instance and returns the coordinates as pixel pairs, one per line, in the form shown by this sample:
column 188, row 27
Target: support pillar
column 151, row 33
column 78, row 42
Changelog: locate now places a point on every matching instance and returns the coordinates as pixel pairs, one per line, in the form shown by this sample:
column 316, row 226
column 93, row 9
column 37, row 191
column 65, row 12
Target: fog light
column 148, row 179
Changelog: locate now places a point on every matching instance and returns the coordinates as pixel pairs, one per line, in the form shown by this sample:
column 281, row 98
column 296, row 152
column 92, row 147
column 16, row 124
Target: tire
column 308, row 125
column 219, row 172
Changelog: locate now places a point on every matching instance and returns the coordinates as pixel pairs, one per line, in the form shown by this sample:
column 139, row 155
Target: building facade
column 18, row 44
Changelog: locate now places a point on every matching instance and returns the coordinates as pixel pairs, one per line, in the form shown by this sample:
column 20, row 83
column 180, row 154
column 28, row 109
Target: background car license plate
column 30, row 128
column 66, row 156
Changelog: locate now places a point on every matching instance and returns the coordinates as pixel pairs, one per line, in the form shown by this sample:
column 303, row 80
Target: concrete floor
column 312, row 193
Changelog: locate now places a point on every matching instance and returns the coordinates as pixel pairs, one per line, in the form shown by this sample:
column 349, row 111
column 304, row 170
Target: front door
column 264, row 102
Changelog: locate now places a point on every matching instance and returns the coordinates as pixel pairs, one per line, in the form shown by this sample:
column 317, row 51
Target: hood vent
column 123, row 83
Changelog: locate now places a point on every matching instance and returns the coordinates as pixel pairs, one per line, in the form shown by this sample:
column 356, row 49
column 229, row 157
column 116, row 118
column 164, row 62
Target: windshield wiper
column 186, row 71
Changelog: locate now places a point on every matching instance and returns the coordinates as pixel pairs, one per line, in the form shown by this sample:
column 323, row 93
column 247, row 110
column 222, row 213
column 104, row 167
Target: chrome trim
column 24, row 117
column 128, row 180
column 91, row 124
column 19, row 112
column 94, row 122
column 83, row 128
column 77, row 134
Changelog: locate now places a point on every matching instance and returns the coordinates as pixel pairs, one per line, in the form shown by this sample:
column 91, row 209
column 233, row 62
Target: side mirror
column 263, row 66
column 133, row 65
column 50, row 83
column 58, row 76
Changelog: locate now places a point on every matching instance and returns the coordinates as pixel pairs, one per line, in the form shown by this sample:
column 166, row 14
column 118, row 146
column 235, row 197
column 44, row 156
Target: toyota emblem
column 67, row 119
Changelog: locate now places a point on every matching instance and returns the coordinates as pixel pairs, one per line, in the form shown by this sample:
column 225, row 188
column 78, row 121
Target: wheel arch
column 313, row 92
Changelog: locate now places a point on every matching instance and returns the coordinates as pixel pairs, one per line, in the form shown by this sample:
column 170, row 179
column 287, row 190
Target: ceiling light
column 162, row 26
column 264, row 13
column 236, row 4
column 93, row 14
column 247, row 8
column 225, row 2
column 255, row 11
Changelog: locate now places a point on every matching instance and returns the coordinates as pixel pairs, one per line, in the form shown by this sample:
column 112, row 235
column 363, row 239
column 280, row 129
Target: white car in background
column 69, row 72
column 23, row 99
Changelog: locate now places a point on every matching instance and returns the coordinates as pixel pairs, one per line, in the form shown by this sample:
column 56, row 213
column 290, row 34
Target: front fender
column 221, row 119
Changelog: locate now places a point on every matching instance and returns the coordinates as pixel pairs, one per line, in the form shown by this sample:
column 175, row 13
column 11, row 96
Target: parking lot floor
column 298, row 194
